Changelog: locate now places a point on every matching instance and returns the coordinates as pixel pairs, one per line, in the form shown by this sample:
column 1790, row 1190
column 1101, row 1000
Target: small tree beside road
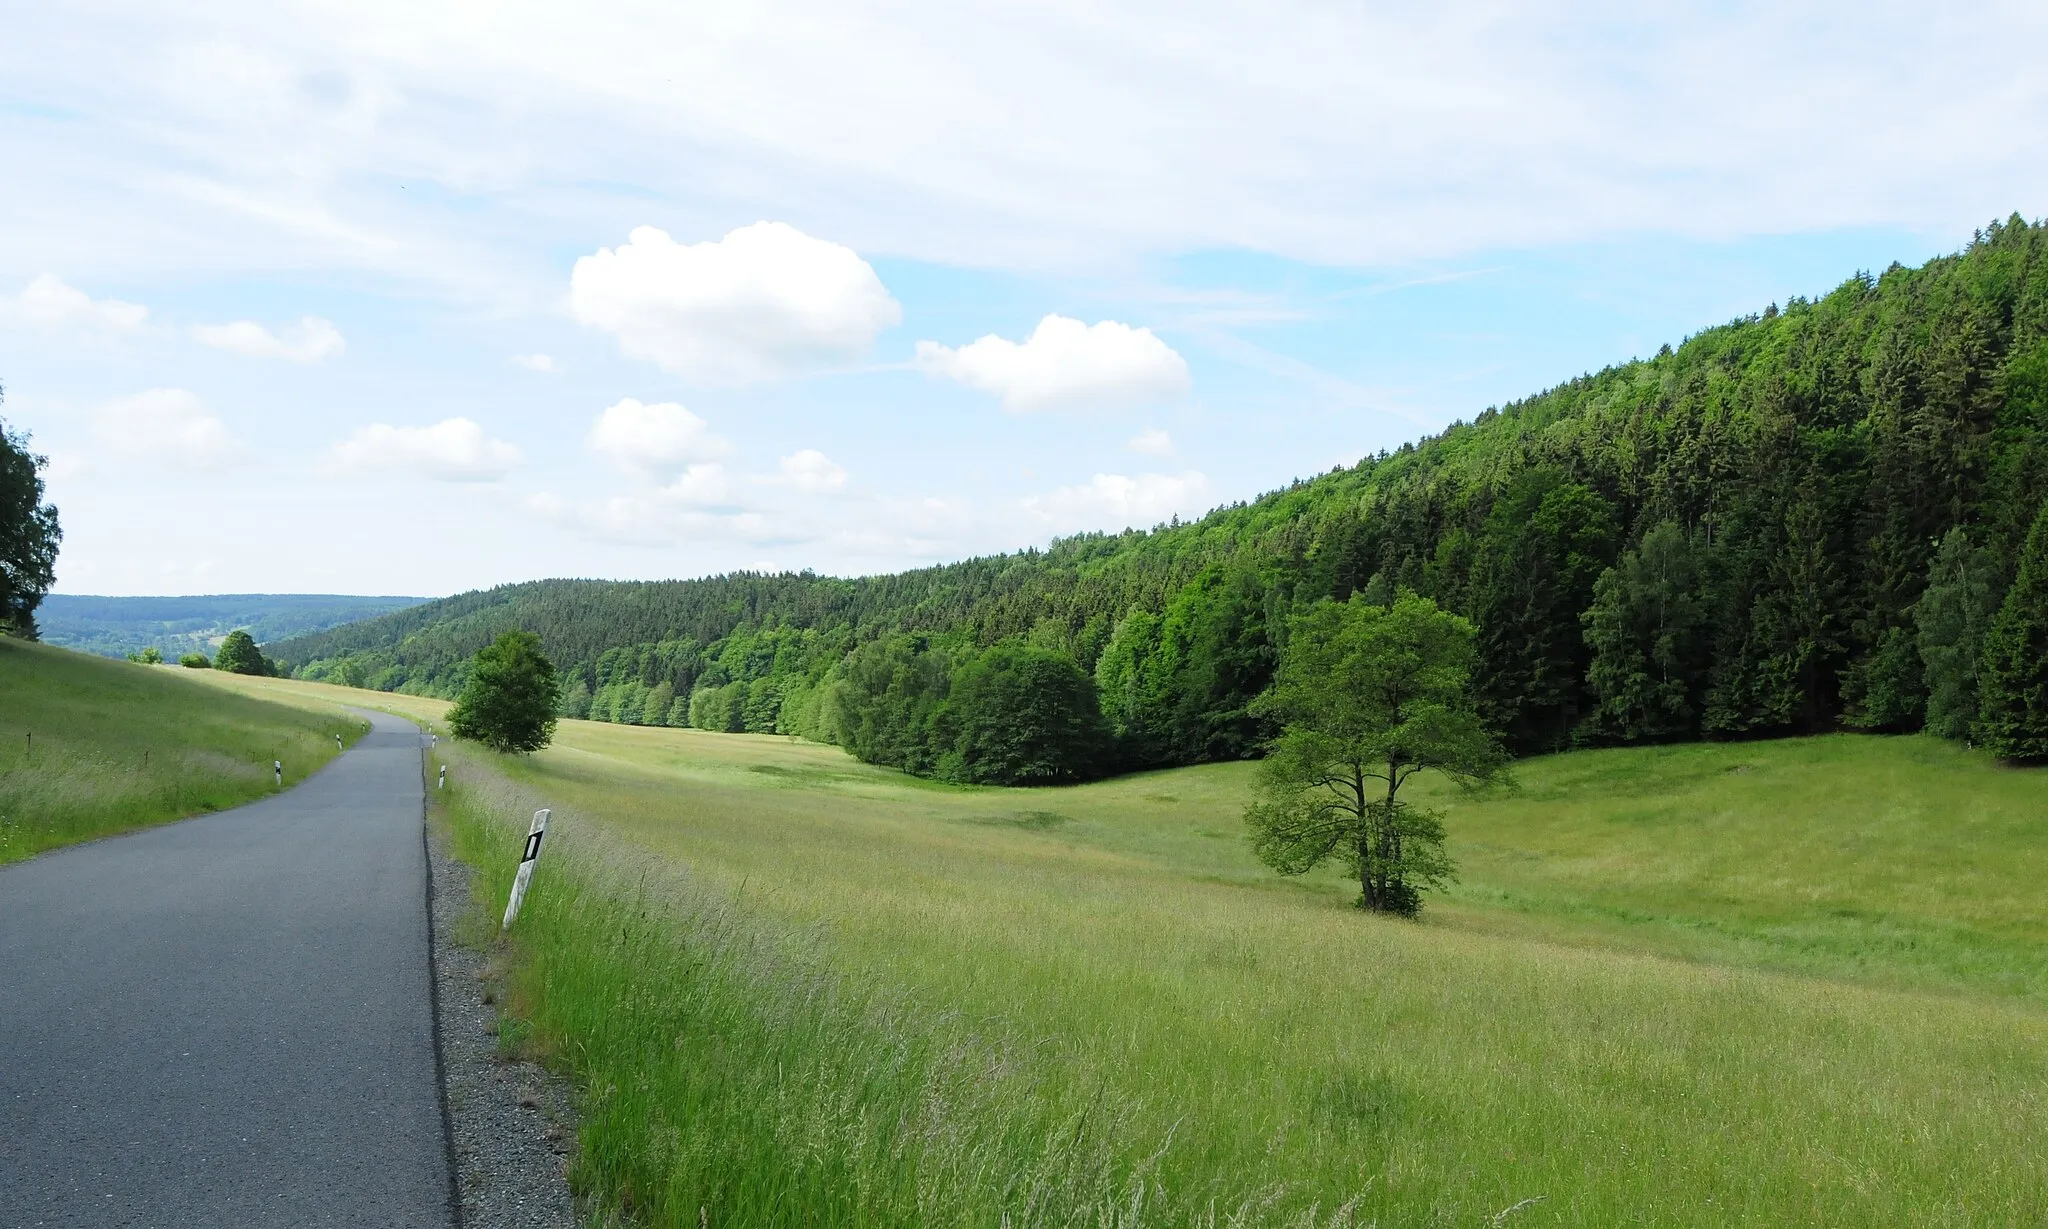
column 509, row 702
column 1368, row 696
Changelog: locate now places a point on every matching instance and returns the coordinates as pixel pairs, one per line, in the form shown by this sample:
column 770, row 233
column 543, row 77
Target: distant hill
column 1728, row 539
column 117, row 626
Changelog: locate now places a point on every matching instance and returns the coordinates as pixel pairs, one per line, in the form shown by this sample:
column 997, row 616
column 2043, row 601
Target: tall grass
column 731, row 1077
column 90, row 747
column 1902, row 861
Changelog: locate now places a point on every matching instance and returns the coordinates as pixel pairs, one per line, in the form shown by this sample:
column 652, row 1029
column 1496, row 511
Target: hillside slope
column 1731, row 538
column 90, row 747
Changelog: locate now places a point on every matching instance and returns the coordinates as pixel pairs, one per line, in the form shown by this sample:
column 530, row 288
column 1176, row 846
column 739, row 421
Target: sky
column 380, row 297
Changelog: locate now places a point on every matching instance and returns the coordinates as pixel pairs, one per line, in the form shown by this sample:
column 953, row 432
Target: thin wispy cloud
column 1345, row 135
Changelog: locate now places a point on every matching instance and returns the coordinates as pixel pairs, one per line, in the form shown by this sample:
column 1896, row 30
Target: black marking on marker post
column 532, row 846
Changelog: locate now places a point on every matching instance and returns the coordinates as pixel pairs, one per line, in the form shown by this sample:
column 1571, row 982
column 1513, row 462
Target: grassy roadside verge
column 90, row 747
column 729, row 1076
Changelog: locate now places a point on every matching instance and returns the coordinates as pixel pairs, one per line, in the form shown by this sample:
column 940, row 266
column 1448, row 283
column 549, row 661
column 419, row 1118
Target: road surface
column 228, row 1021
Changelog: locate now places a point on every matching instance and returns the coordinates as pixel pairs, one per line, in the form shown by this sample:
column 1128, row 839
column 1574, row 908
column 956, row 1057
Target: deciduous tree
column 238, row 654
column 509, row 701
column 1368, row 696
column 28, row 536
column 1023, row 715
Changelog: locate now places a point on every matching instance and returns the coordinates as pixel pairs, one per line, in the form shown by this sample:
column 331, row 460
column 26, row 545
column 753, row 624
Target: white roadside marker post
column 526, row 861
column 337, row 742
column 443, row 782
column 277, row 766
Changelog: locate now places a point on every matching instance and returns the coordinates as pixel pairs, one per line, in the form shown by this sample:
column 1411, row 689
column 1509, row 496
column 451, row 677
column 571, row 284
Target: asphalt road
column 228, row 1021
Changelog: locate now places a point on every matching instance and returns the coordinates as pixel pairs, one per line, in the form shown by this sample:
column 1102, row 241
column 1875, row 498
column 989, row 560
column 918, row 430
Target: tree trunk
column 1368, row 896
column 1390, row 840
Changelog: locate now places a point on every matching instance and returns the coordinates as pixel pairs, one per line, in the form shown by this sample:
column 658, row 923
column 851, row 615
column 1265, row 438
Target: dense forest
column 1806, row 519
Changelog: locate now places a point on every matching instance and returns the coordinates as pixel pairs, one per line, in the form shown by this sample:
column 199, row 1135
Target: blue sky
column 276, row 280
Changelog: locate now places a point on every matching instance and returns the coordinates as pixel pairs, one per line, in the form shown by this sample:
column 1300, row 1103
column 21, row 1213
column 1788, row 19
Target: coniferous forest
column 1826, row 515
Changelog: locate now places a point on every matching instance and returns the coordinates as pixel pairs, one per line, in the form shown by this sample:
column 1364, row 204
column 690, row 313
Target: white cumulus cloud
column 309, row 341
column 536, row 362
column 1065, row 364
column 765, row 301
column 813, row 472
column 658, row 441
column 452, row 450
column 704, row 483
column 1116, row 501
column 51, row 303
column 167, row 424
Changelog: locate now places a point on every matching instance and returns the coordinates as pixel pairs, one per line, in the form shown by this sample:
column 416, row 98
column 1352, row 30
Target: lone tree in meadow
column 509, row 702
column 239, row 655
column 2013, row 678
column 1368, row 696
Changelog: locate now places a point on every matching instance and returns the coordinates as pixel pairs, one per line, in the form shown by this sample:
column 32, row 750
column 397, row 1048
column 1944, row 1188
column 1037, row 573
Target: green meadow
column 90, row 746
column 1786, row 983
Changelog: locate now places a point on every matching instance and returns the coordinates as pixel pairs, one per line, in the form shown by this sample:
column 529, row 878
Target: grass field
column 1793, row 983
column 90, row 747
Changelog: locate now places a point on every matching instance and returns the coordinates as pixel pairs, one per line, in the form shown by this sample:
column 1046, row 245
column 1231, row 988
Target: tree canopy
column 29, row 536
column 1022, row 715
column 1367, row 697
column 2014, row 715
column 239, row 655
column 1644, row 627
column 508, row 704
column 1950, row 619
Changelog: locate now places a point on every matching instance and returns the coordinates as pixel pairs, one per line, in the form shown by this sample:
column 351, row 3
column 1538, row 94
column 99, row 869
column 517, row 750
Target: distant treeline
column 1802, row 520
column 121, row 626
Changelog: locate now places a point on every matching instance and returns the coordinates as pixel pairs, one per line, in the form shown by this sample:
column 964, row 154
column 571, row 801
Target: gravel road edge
column 511, row 1124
